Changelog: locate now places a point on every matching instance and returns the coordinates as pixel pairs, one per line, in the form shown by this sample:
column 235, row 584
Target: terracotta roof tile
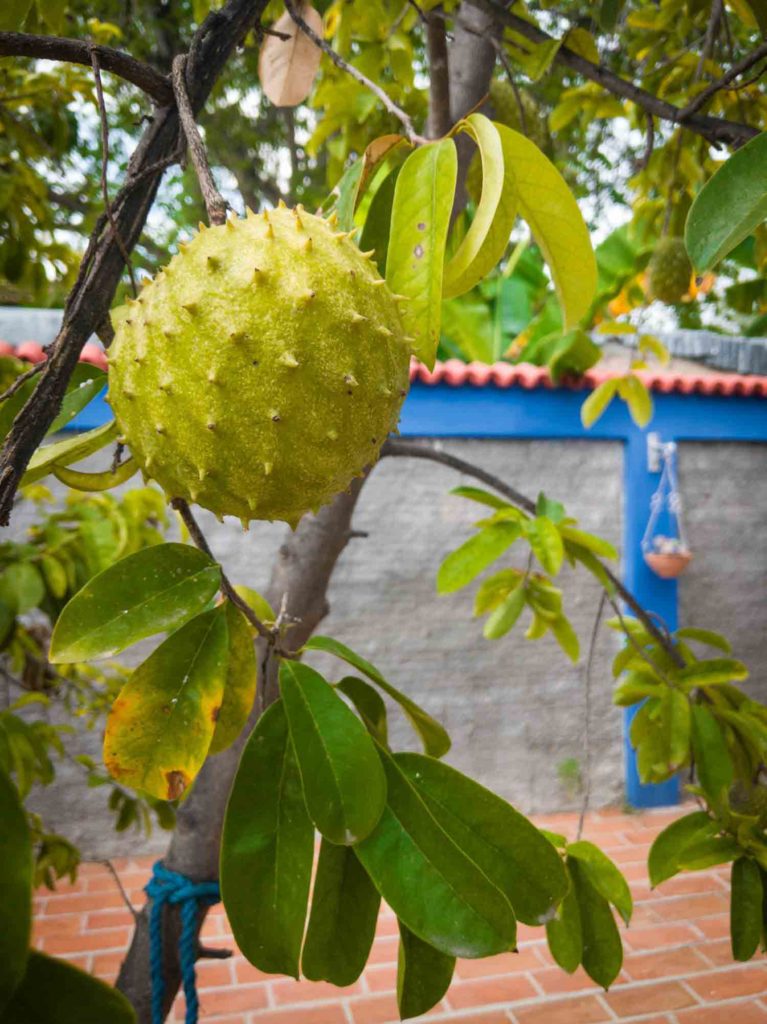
column 505, row 375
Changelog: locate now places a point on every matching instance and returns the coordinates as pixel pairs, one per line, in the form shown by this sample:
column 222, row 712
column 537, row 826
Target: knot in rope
column 170, row 887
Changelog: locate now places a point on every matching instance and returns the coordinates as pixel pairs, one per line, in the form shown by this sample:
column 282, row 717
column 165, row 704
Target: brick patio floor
column 677, row 967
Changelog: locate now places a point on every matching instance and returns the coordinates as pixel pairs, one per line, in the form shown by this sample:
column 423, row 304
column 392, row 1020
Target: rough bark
column 299, row 583
column 472, row 58
column 440, row 121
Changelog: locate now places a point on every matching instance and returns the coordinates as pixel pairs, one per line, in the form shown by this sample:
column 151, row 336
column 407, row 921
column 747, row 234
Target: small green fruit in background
column 669, row 271
column 262, row 369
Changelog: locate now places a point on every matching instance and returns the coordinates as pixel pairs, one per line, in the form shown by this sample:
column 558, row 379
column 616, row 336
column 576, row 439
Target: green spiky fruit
column 669, row 271
column 262, row 369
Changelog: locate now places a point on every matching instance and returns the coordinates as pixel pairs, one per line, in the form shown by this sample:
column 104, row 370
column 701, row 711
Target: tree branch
column 339, row 62
column 87, row 306
column 215, row 203
column 200, row 541
column 75, row 51
column 439, row 122
column 735, row 72
column 417, row 450
column 717, row 130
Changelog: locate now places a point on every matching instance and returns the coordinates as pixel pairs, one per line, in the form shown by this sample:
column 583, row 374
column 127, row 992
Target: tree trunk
column 299, row 583
column 472, row 58
column 440, row 120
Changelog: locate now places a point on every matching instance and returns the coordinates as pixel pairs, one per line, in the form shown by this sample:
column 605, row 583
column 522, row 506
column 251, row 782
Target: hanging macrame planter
column 667, row 555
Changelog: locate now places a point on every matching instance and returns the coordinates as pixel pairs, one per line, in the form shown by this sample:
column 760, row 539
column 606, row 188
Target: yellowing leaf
column 241, row 676
column 423, row 199
column 598, row 401
column 649, row 343
column 287, row 67
column 638, row 399
column 548, row 206
column 161, row 724
column 581, row 41
column 616, row 327
column 487, row 237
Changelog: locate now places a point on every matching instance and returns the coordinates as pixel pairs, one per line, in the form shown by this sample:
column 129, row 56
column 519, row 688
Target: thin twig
column 21, row 380
column 200, row 541
column 126, row 899
column 644, row 163
column 215, row 203
column 339, row 62
column 503, row 58
column 587, row 713
column 417, row 450
column 105, row 167
column 735, row 72
column 76, row 51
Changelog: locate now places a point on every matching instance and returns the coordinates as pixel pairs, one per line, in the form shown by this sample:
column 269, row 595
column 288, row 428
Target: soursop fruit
column 262, row 369
column 669, row 271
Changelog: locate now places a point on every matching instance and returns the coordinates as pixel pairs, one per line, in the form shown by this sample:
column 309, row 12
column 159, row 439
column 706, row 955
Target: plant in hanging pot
column 668, row 557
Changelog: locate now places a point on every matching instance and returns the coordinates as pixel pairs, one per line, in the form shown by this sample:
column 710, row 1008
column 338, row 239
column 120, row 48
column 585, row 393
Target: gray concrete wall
column 724, row 487
column 515, row 709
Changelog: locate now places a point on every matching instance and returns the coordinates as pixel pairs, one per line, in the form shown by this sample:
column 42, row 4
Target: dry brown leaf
column 287, row 67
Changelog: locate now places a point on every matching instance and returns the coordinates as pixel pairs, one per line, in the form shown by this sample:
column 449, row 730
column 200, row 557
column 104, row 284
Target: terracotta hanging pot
column 668, row 564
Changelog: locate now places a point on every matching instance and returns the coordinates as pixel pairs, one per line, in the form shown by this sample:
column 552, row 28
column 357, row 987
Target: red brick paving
column 677, row 967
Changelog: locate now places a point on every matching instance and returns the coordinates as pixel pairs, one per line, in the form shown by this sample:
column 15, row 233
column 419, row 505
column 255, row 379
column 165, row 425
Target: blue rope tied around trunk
column 169, row 887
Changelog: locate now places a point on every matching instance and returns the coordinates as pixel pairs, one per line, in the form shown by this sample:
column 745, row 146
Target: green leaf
column 343, row 198
column 435, row 889
column 506, row 614
column 602, row 947
column 369, row 704
column 267, row 850
column 149, row 592
column 376, row 232
column 343, row 781
column 712, row 759
column 480, row 495
column 109, row 478
column 675, row 711
column 423, row 200
column 546, row 542
column 86, row 382
column 566, row 637
column 160, row 728
column 638, row 399
column 71, row 449
column 708, row 852
column 710, row 673
column 597, row 545
column 435, row 739
column 604, row 876
column 495, row 589
column 669, row 845
column 548, row 206
column 729, row 206
column 13, row 14
column 423, row 974
column 241, row 679
column 485, row 242
column 504, row 845
column 15, row 890
column 553, row 510
column 745, row 908
column 55, row 992
column 475, row 555
column 704, row 636
column 598, row 401
column 21, row 587
column 343, row 920
column 563, row 933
